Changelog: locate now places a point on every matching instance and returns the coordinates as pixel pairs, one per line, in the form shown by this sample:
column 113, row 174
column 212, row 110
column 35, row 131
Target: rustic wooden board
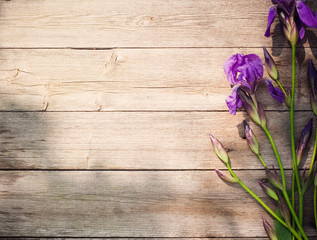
column 130, row 204
column 131, row 79
column 135, row 140
column 140, row 23
column 131, row 238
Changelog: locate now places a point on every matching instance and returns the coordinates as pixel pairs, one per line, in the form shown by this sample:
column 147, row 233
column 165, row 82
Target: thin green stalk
column 281, row 87
column 262, row 161
column 295, row 169
column 267, row 208
column 315, row 205
column 293, row 198
column 289, row 204
column 301, row 208
column 314, row 155
column 276, row 154
column 285, row 194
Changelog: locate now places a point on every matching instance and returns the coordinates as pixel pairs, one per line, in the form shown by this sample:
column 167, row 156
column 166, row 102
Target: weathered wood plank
column 127, row 238
column 134, row 79
column 123, row 23
column 130, row 204
column 130, row 238
column 132, row 140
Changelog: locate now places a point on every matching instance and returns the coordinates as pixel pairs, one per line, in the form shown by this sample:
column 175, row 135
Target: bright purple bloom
column 276, row 93
column 294, row 15
column 245, row 72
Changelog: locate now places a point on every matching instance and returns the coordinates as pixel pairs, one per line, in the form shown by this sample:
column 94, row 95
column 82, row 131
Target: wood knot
column 111, row 62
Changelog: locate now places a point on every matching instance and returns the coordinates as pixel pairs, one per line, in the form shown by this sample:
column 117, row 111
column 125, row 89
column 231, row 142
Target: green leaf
column 282, row 232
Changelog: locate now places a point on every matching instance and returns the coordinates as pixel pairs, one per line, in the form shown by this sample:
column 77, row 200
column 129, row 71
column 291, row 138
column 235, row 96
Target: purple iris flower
column 290, row 12
column 245, row 72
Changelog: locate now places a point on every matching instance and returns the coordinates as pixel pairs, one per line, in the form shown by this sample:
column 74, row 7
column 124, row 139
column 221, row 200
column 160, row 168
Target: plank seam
column 137, row 48
column 130, row 170
column 141, row 111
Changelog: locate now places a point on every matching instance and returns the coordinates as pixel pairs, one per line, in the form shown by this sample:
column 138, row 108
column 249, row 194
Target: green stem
column 276, row 154
column 299, row 225
column 267, row 208
column 281, row 87
column 290, row 206
column 314, row 155
column 315, row 205
column 262, row 161
column 301, row 208
column 295, row 169
column 293, row 197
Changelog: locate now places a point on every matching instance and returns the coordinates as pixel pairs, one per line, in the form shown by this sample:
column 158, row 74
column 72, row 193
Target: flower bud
column 290, row 30
column 269, row 191
column 269, row 230
column 225, row 176
column 283, row 208
column 254, row 110
column 274, row 178
column 251, row 139
column 304, row 138
column 219, row 149
column 270, row 65
column 312, row 80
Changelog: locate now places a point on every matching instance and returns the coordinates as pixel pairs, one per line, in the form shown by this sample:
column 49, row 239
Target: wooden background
column 106, row 107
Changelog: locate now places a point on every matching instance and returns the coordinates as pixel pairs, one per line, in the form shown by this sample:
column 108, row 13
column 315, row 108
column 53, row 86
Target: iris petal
column 230, row 67
column 308, row 17
column 251, row 71
column 276, row 93
column 270, row 20
column 233, row 101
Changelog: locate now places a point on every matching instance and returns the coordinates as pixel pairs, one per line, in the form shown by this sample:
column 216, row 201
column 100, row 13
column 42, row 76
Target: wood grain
column 131, row 238
column 106, row 107
column 132, row 79
column 130, row 204
column 124, row 140
column 140, row 23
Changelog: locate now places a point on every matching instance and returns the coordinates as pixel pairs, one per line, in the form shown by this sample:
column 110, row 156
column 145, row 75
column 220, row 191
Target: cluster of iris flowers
column 245, row 73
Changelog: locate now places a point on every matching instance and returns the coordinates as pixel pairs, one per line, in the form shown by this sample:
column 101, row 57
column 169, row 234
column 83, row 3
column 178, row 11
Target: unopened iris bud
column 312, row 79
column 290, row 29
column 269, row 191
column 251, row 139
column 306, row 133
column 219, row 149
column 274, row 178
column 270, row 231
column 270, row 65
column 283, row 208
column 225, row 176
column 254, row 110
